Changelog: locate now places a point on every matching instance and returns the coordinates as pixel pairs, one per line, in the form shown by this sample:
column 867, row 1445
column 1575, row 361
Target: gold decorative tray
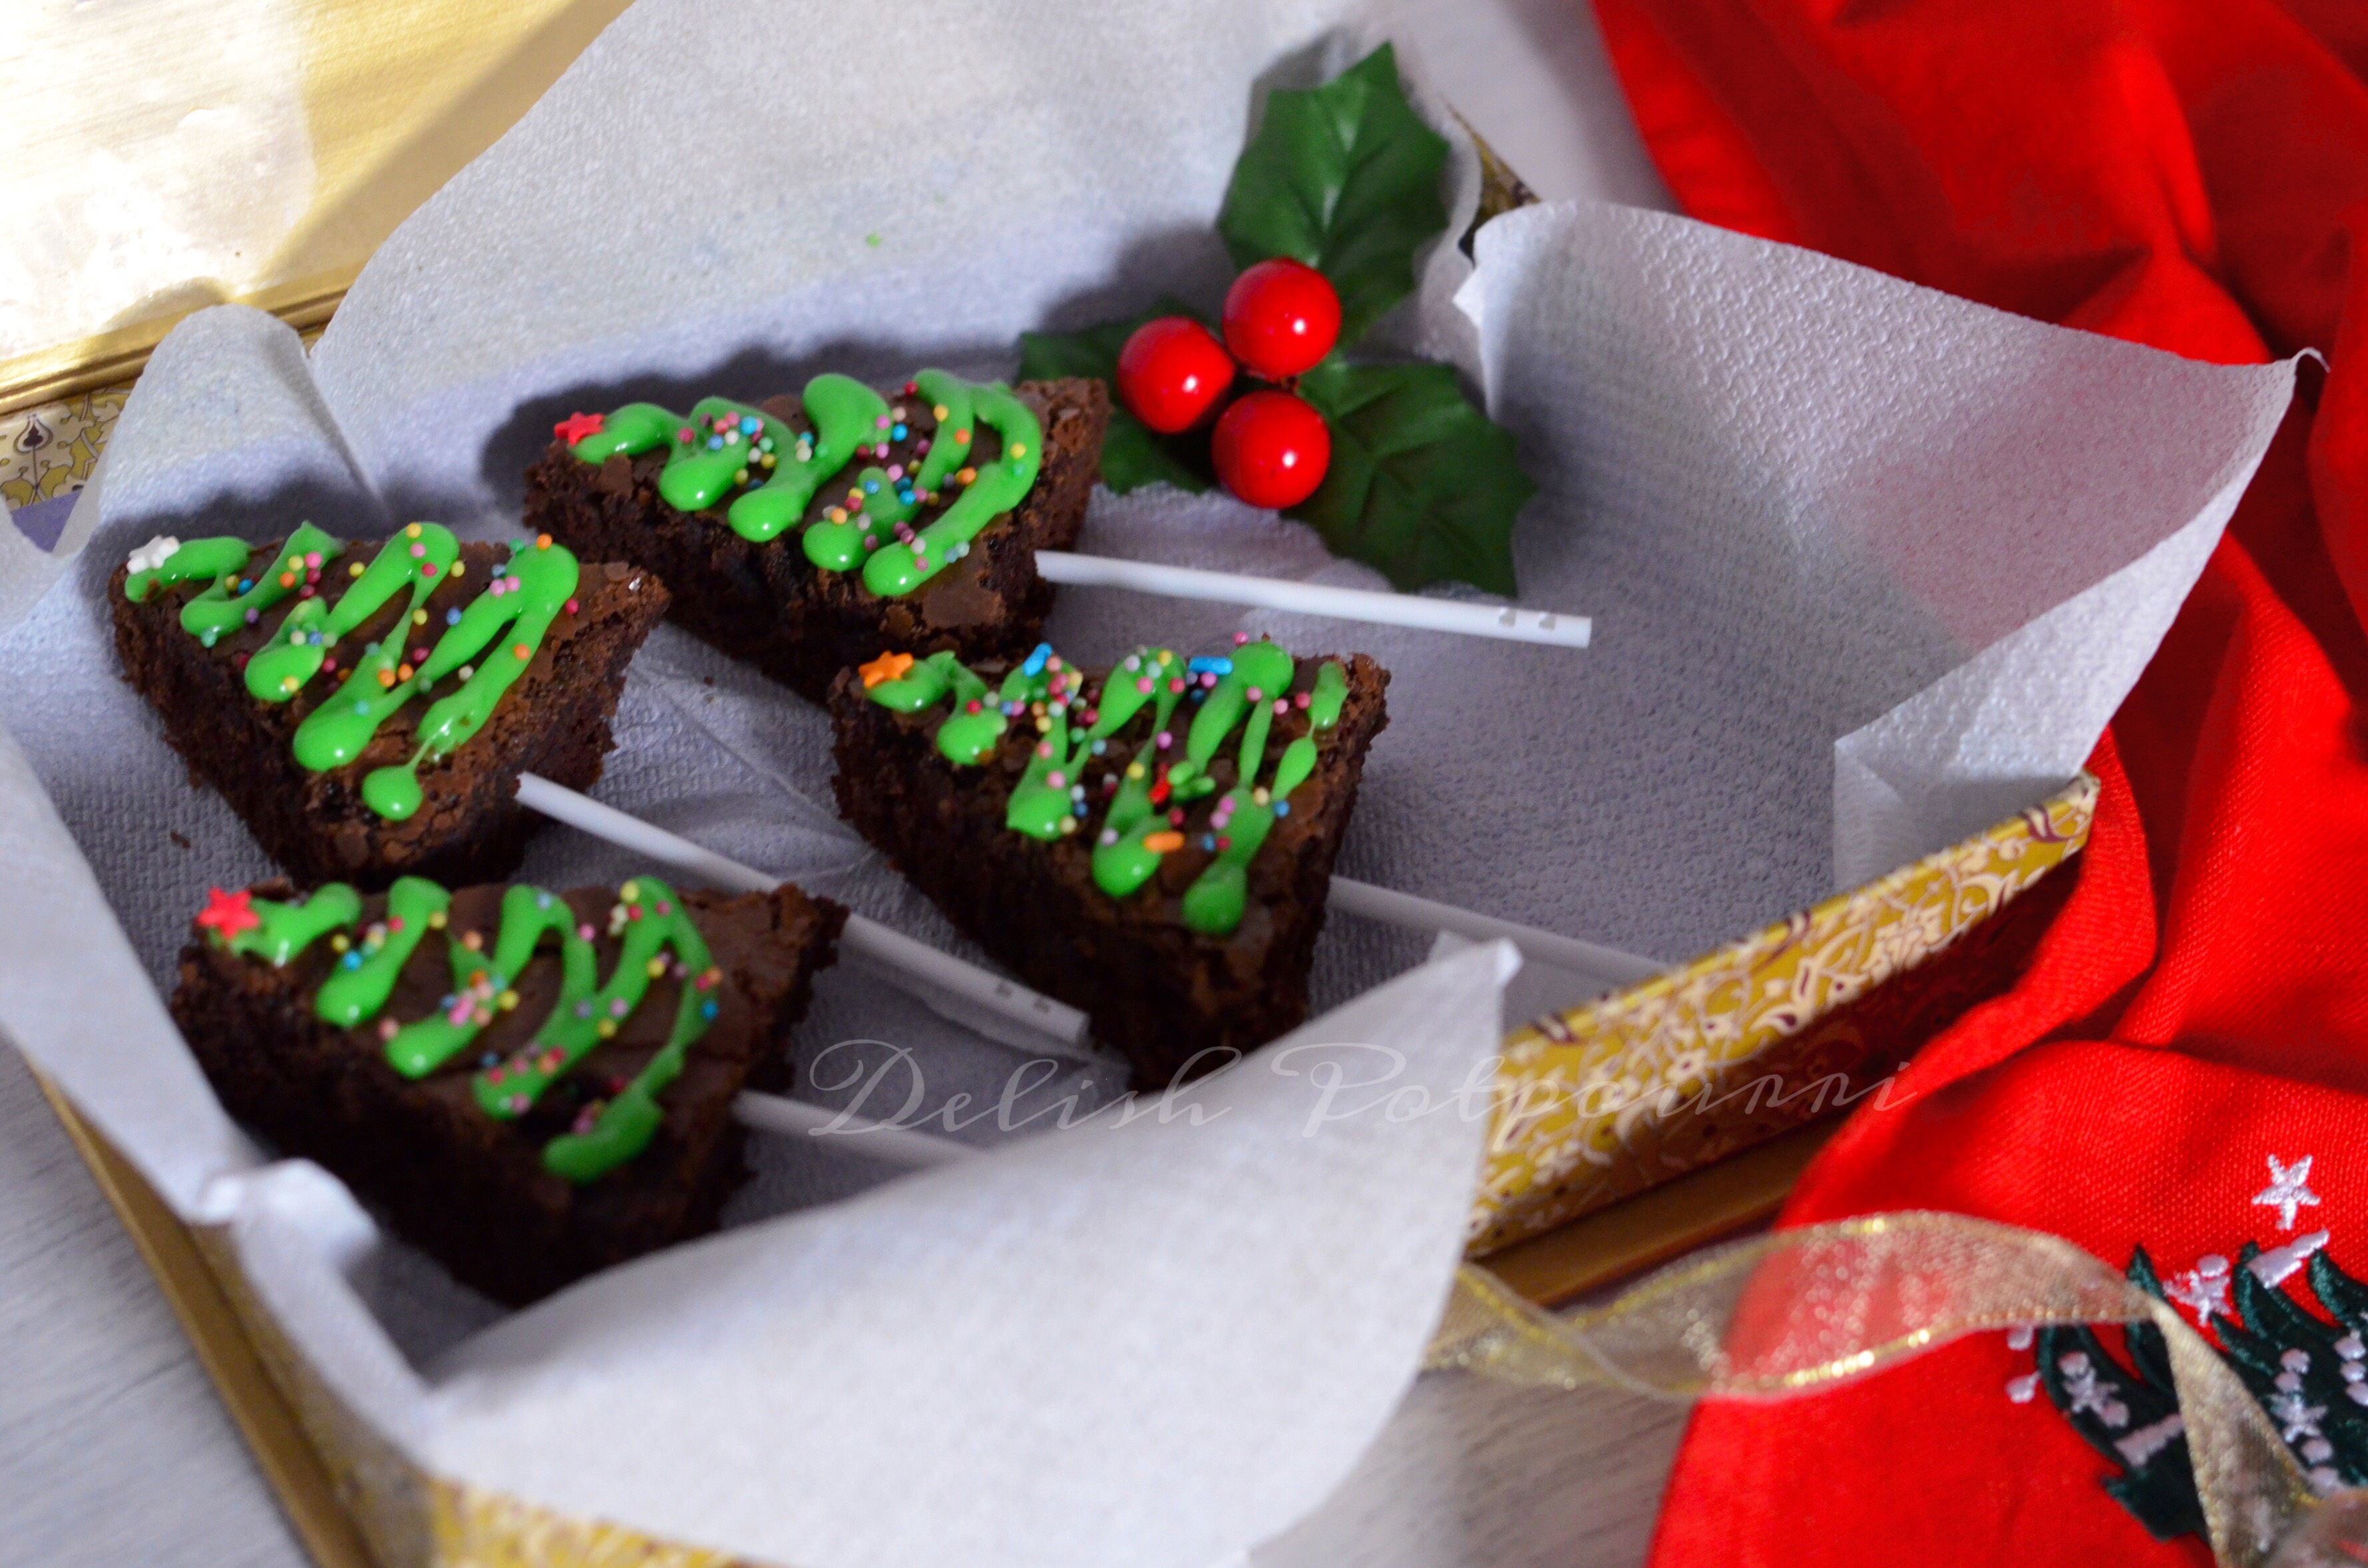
column 1630, row 1129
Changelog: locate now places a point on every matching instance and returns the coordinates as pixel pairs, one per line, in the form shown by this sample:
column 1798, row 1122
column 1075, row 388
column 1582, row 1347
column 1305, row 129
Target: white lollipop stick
column 898, row 1146
column 1309, row 598
column 962, row 992
column 1608, row 965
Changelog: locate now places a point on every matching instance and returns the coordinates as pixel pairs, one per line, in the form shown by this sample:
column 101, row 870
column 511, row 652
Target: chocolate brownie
column 1204, row 801
column 766, row 601
column 523, row 1127
column 446, row 716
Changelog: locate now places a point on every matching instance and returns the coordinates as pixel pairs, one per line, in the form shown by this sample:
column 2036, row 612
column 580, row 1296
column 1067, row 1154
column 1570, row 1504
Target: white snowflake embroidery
column 2288, row 1190
column 2020, row 1390
column 153, row 554
column 2278, row 1265
column 2295, row 1419
column 2203, row 1290
column 2080, row 1382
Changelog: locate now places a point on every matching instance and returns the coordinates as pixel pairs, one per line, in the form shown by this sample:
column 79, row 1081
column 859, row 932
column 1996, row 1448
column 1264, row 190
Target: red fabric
column 2192, row 175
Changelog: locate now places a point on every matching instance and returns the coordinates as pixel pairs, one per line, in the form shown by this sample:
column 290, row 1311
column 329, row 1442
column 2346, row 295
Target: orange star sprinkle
column 228, row 914
column 887, row 667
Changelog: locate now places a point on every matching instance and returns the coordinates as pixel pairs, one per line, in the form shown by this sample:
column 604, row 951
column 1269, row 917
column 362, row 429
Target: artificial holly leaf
column 1132, row 453
column 1346, row 178
column 1421, row 484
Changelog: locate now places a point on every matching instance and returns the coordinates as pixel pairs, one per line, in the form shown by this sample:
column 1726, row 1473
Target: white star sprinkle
column 153, row 554
column 2288, row 1190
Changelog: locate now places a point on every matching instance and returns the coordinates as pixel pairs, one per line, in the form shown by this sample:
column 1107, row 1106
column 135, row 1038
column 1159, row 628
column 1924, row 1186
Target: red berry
column 1171, row 373
column 1271, row 448
column 1282, row 318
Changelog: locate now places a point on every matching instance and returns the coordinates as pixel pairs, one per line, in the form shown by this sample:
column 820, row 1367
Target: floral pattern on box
column 1748, row 1041
column 50, row 450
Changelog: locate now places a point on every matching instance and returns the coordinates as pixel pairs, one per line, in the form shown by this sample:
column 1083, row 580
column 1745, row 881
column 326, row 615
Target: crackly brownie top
column 513, row 1006
column 942, row 459
column 1112, row 759
column 385, row 623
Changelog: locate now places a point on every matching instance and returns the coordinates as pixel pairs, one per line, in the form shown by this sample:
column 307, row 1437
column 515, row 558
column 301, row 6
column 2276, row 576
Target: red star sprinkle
column 575, row 426
column 228, row 914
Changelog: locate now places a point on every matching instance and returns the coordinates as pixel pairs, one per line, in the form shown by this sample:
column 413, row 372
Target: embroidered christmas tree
column 2309, row 1372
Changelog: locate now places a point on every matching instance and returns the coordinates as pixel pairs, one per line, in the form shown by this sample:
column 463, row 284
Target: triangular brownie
column 1153, row 844
column 367, row 709
column 532, row 1086
column 806, row 533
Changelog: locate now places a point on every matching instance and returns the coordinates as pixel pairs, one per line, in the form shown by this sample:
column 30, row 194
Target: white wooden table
column 114, row 1450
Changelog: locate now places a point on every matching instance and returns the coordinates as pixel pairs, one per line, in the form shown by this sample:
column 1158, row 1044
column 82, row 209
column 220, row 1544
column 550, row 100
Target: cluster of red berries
column 1269, row 446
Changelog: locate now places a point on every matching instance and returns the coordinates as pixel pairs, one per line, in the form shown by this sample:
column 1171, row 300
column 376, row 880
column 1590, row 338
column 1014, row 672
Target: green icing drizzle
column 901, row 567
column 526, row 594
column 725, row 446
column 649, row 917
column 284, row 930
column 232, row 599
column 1050, row 800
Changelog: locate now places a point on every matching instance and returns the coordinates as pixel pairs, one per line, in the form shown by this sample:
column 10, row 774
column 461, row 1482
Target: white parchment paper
column 1870, row 566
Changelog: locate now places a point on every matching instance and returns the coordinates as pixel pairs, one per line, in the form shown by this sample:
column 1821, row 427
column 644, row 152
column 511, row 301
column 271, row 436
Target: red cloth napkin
column 2191, row 175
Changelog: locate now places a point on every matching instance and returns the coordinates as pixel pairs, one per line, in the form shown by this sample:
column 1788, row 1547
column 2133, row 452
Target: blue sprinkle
column 445, row 1005
column 542, row 901
column 1035, row 661
column 317, row 639
column 872, row 487
column 1100, row 746
column 1209, row 666
column 361, row 707
column 750, row 425
column 715, row 443
column 708, row 1009
column 1209, row 841
column 244, row 584
column 897, row 434
column 1283, row 808
column 583, row 1010
column 352, row 960
column 489, row 1060
column 451, row 618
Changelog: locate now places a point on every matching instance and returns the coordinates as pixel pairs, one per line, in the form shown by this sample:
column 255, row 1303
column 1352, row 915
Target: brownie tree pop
column 366, row 708
column 1151, row 843
column 1147, row 796
column 535, row 1084
column 803, row 533
column 778, row 471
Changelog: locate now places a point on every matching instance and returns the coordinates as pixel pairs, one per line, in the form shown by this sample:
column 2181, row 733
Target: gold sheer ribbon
column 1798, row 1311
